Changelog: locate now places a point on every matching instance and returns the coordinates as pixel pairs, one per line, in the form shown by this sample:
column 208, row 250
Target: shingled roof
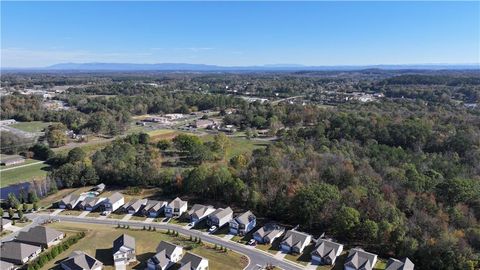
column 326, row 248
column 177, row 203
column 39, row 235
column 245, row 218
column 221, row 213
column 190, row 261
column 358, row 258
column 80, row 260
column 16, row 251
column 123, row 240
column 405, row 264
column 199, row 210
column 294, row 238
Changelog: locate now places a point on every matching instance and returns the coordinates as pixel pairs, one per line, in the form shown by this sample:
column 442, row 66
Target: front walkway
column 127, row 217
column 84, row 214
column 56, row 212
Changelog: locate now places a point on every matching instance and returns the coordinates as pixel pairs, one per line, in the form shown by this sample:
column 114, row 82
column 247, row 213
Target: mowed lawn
column 22, row 174
column 239, row 145
column 99, row 238
column 33, row 126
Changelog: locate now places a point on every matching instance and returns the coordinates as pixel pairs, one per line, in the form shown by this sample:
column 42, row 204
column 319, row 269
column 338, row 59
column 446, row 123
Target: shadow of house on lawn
column 105, row 256
column 142, row 259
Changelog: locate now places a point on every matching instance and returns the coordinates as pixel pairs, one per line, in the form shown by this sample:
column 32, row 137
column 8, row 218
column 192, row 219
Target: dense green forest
column 399, row 176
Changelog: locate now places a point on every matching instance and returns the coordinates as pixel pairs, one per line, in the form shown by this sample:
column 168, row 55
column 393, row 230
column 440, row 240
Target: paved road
column 256, row 256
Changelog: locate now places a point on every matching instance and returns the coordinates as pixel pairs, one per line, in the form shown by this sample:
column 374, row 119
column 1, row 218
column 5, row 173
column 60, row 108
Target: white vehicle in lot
column 212, row 229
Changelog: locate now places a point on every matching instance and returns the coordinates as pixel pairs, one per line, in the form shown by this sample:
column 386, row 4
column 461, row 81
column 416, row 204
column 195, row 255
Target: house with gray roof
column 135, row 205
column 167, row 255
column 70, row 201
column 243, row 223
column 18, row 253
column 114, row 202
column 99, row 188
column 123, row 251
column 192, row 261
column 40, row 236
column 80, row 260
column 295, row 241
column 220, row 217
column 176, row 208
column 7, row 266
column 405, row 264
column 199, row 212
column 326, row 252
column 91, row 203
column 359, row 259
column 153, row 208
column 268, row 233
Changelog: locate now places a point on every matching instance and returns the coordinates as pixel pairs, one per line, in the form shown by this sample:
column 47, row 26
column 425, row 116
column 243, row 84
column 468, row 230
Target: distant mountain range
column 203, row 67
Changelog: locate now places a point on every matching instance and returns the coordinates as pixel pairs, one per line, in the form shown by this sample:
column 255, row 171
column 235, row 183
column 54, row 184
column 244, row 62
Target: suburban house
column 220, row 217
column 191, row 261
column 326, row 252
column 199, row 212
column 405, row 264
column 135, row 205
column 153, row 208
column 359, row 259
column 5, row 223
column 123, row 251
column 203, row 123
column 175, row 208
column 99, row 188
column 40, row 236
column 113, row 202
column 91, row 203
column 167, row 255
column 7, row 266
column 81, row 260
column 18, row 253
column 268, row 233
column 70, row 201
column 295, row 241
column 243, row 223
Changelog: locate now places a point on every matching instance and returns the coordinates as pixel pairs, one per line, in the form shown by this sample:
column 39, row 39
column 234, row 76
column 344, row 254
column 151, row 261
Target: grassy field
column 239, row 145
column 23, row 174
column 34, row 126
column 99, row 238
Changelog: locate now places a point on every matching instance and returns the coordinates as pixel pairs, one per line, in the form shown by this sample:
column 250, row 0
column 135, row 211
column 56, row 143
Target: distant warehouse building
column 12, row 161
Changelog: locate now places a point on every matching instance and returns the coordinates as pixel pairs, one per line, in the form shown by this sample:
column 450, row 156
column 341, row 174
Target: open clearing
column 33, row 126
column 99, row 239
column 23, row 173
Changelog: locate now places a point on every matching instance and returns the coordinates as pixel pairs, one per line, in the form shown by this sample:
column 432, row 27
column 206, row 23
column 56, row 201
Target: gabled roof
column 153, row 205
column 136, row 204
column 405, row 264
column 192, row 260
column 123, row 241
column 169, row 248
column 160, row 259
column 39, row 235
column 80, row 260
column 91, row 201
column 326, row 248
column 270, row 229
column 295, row 238
column 115, row 197
column 358, row 258
column 199, row 210
column 17, row 251
column 177, row 203
column 245, row 218
column 70, row 199
column 221, row 213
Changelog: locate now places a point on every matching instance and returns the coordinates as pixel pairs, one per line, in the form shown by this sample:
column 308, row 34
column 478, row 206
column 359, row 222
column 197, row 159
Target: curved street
column 257, row 257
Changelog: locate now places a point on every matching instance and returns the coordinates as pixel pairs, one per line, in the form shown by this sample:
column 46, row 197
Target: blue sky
column 240, row 33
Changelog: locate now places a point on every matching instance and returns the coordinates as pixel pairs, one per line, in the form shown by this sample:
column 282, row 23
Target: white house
column 123, row 251
column 191, row 261
column 114, row 202
column 220, row 217
column 326, row 252
column 268, row 233
column 167, row 255
column 243, row 223
column 295, row 241
column 175, row 208
column 199, row 212
column 359, row 259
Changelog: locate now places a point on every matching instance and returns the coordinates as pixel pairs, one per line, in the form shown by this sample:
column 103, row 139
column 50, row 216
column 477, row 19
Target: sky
column 37, row 34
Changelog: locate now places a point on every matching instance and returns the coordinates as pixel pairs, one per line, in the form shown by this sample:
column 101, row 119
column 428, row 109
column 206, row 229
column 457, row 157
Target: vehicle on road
column 212, row 229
